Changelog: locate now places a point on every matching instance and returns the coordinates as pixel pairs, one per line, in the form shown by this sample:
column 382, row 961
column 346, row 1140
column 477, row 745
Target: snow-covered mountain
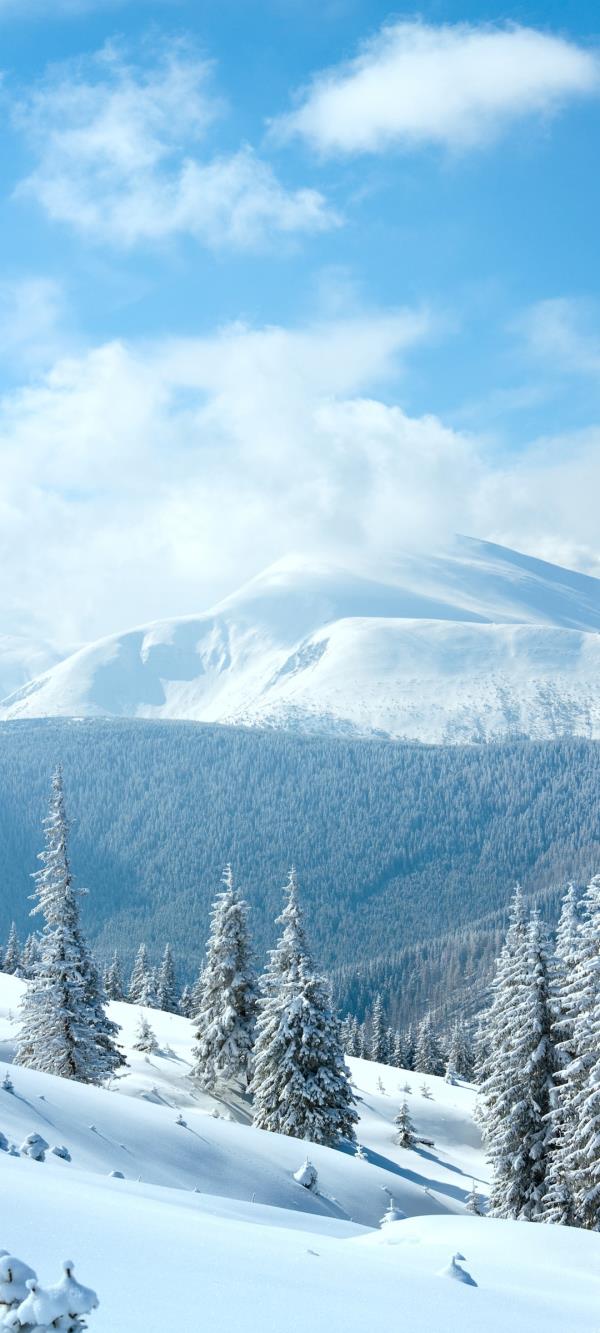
column 478, row 643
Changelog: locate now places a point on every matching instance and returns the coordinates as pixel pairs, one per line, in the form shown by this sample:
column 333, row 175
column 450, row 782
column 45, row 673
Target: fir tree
column 581, row 1105
column 405, row 1130
column 428, row 1054
column 185, row 1002
column 474, row 1202
column 379, row 1046
column 226, row 1014
column 31, row 955
column 519, row 1087
column 12, row 957
column 301, row 1083
column 459, row 1051
column 145, row 1037
column 64, row 1029
column 113, row 982
column 559, row 1205
column 166, row 990
column 139, row 977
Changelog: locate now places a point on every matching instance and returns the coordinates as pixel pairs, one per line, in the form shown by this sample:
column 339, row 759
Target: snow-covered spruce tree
column 405, row 1130
column 428, row 1054
column 227, row 1011
column 113, row 981
column 185, row 1002
column 379, row 1046
column 138, row 983
column 579, row 1153
column 460, row 1056
column 301, row 1082
column 145, row 1037
column 474, row 1202
column 31, row 955
column 516, row 1131
column 196, row 994
column 64, row 1029
column 559, row 1202
column 166, row 989
column 12, row 958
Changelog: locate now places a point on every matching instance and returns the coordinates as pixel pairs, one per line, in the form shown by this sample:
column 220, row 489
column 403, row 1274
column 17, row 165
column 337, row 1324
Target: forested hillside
column 396, row 845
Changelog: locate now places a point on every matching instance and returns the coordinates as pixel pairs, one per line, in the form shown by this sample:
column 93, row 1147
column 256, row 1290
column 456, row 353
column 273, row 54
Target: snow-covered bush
column 30, row 1308
column 392, row 1214
column 7, row 1083
column 307, row 1175
column 35, row 1146
column 60, row 1150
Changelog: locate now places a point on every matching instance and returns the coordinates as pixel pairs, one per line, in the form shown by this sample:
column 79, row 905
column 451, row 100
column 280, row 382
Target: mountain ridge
column 476, row 644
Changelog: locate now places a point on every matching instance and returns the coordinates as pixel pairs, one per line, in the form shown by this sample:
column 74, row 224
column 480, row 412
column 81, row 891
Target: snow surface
column 255, row 1250
column 478, row 643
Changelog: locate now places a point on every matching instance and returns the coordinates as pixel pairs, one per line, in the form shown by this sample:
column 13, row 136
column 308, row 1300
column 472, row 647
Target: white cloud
column 117, row 150
column 455, row 86
column 141, row 481
column 557, row 333
column 147, row 480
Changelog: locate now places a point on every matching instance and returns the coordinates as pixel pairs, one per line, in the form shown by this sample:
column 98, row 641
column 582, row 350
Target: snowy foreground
column 207, row 1227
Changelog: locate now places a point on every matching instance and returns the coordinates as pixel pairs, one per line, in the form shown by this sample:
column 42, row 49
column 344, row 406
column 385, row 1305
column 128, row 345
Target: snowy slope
column 138, row 1134
column 479, row 643
column 274, row 1257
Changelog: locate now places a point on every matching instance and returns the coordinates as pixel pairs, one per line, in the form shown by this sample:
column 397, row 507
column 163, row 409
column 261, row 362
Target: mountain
column 476, row 644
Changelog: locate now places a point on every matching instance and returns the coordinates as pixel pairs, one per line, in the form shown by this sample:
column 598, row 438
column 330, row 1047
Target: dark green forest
column 406, row 854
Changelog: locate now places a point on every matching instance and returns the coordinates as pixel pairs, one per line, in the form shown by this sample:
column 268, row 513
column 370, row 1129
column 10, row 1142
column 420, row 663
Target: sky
column 296, row 276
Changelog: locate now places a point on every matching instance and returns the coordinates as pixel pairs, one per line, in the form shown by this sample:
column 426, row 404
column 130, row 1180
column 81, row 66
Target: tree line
column 277, row 1037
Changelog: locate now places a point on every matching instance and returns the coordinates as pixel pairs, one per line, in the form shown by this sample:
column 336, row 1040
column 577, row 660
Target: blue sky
column 290, row 276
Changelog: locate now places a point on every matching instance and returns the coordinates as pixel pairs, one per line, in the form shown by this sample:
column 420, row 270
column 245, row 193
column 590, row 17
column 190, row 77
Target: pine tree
column 139, row 977
column 166, row 990
column 428, row 1054
column 581, row 1105
column 405, row 1130
column 113, row 982
column 64, row 1029
column 196, row 994
column 145, row 1037
column 12, row 957
column 459, row 1051
column 474, row 1202
column 559, row 1205
column 517, row 1093
column 226, row 1015
column 185, row 1002
column 301, row 1082
column 31, row 955
column 379, row 1046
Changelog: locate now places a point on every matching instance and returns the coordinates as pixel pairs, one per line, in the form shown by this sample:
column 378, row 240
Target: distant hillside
column 395, row 844
column 477, row 644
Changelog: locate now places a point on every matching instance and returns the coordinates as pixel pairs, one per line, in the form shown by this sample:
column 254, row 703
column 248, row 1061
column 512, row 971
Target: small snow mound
column 454, row 1270
column 14, row 1276
column 35, row 1147
column 60, row 1150
column 116, row 1175
column 392, row 1214
column 306, row 1175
